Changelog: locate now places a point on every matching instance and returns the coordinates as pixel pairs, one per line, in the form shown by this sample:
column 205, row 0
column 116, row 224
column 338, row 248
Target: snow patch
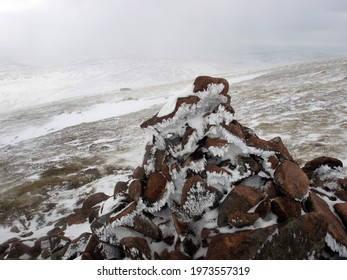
column 336, row 246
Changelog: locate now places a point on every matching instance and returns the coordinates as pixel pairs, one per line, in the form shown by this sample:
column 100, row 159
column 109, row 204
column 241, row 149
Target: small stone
column 15, row 229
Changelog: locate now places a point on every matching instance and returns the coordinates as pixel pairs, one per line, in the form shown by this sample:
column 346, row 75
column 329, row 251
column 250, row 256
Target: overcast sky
column 88, row 29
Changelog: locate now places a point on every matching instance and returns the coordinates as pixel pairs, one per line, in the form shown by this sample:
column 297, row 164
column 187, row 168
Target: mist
column 63, row 30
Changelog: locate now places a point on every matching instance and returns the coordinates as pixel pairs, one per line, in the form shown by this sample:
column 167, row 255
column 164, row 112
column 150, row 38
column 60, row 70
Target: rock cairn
column 208, row 188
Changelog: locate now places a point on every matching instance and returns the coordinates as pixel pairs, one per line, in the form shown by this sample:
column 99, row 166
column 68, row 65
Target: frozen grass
column 27, row 198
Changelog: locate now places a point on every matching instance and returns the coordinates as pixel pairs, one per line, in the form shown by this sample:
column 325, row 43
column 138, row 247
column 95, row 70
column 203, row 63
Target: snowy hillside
column 53, row 155
column 23, row 85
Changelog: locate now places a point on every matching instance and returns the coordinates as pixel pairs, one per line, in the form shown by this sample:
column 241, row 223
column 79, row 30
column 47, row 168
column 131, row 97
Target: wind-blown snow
column 92, row 114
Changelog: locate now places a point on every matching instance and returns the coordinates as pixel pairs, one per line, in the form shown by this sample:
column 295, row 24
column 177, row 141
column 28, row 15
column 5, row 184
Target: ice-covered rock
column 205, row 178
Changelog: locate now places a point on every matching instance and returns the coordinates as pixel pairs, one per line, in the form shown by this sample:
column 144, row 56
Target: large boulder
column 291, row 181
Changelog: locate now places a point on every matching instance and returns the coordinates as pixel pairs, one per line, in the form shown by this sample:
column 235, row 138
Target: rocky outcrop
column 211, row 188
column 208, row 188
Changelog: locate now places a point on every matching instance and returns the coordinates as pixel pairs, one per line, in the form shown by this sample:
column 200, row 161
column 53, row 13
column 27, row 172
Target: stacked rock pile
column 210, row 188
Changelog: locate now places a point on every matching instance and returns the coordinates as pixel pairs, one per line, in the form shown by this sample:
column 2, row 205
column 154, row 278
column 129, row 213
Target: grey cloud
column 62, row 29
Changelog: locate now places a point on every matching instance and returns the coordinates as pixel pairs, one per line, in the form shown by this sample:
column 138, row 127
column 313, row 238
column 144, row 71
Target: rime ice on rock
column 208, row 188
column 204, row 179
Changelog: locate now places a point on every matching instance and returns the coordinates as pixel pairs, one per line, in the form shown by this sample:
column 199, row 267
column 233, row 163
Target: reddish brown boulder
column 227, row 108
column 197, row 197
column 201, row 83
column 145, row 226
column 121, row 187
column 189, row 183
column 56, row 231
column 240, row 219
column 135, row 189
column 316, row 204
column 91, row 247
column 166, row 172
column 275, row 145
column 207, row 233
column 241, row 245
column 215, row 142
column 341, row 210
column 181, row 226
column 156, row 187
column 299, row 238
column 20, row 250
column 273, row 160
column 136, row 248
column 159, row 158
column 139, row 173
column 291, row 180
column 285, row 208
column 271, row 191
column 190, row 100
column 263, row 208
column 149, row 152
column 341, row 194
column 186, row 136
column 342, row 182
column 235, row 128
column 130, row 208
column 94, row 199
column 77, row 246
column 79, row 216
column 246, row 164
column 240, row 198
column 314, row 164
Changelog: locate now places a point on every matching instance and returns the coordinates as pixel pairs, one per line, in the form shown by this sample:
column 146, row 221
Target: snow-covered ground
column 53, row 116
